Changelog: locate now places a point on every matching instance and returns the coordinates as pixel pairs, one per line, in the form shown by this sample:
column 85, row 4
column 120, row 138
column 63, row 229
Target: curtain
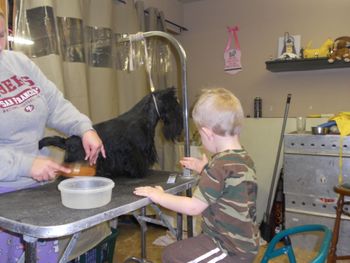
column 71, row 33
column 4, row 8
column 77, row 46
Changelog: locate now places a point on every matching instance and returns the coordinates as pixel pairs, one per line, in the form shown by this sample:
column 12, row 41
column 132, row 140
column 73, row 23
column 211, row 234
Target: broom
column 267, row 225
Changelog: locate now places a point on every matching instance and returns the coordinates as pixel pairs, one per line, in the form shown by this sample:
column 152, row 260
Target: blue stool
column 287, row 249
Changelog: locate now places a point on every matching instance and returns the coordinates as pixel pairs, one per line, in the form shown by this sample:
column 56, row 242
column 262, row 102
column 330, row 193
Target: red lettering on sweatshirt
column 27, row 80
column 12, row 83
column 17, row 80
column 9, row 85
column 19, row 98
column 2, row 90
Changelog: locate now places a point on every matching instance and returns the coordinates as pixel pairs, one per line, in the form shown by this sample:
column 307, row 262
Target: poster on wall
column 232, row 53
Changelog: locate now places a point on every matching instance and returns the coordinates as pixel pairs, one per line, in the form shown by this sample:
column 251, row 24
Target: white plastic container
column 86, row 192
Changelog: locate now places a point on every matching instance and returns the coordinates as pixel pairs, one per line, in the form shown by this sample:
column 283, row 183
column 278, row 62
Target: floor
column 128, row 245
column 128, row 242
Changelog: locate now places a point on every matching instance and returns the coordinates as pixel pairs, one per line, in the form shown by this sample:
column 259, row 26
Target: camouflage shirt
column 228, row 185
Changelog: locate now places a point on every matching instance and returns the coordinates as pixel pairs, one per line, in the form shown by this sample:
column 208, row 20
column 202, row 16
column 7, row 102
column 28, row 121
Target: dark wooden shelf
column 304, row 64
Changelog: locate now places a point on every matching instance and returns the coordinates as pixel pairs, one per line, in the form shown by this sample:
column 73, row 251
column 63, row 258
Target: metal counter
column 313, row 165
column 39, row 213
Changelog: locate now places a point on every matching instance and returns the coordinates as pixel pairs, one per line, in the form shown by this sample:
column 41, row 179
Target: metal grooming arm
column 183, row 60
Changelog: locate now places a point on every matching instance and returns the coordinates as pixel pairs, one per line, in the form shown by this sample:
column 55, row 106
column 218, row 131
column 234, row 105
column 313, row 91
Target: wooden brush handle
column 79, row 169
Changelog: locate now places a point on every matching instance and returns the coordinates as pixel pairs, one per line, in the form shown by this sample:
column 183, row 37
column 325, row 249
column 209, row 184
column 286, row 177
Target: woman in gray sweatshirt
column 29, row 102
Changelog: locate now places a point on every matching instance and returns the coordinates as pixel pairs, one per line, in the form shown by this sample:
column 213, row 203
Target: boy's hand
column 194, row 164
column 151, row 192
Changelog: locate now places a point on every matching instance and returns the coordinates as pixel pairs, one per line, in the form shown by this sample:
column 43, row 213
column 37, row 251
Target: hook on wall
column 181, row 28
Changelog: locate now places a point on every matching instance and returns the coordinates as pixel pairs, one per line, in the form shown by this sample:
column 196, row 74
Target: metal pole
column 183, row 60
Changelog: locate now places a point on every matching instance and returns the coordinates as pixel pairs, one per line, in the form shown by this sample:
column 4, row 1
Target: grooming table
column 38, row 213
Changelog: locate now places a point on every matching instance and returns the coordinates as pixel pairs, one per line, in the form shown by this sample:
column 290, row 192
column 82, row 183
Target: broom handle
column 272, row 187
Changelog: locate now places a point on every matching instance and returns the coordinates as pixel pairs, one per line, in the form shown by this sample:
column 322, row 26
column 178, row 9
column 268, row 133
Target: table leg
column 30, row 249
column 143, row 234
column 179, row 226
column 71, row 245
column 189, row 218
column 140, row 219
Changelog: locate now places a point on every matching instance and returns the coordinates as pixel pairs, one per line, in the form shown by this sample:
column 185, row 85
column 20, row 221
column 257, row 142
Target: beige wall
column 261, row 23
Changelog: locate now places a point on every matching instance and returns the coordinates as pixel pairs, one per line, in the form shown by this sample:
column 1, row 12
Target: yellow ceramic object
column 321, row 52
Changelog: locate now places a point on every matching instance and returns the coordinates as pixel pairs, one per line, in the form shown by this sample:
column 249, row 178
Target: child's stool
column 343, row 190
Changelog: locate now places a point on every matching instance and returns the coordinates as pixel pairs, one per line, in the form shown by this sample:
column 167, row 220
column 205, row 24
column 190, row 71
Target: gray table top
column 39, row 213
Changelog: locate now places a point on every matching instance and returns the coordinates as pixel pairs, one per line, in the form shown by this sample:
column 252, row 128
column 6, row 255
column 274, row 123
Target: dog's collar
column 155, row 104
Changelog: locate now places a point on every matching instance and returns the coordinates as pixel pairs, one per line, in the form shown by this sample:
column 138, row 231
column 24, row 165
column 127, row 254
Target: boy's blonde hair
column 219, row 110
column 2, row 14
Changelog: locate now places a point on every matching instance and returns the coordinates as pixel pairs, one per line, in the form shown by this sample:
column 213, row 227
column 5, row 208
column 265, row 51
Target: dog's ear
column 53, row 141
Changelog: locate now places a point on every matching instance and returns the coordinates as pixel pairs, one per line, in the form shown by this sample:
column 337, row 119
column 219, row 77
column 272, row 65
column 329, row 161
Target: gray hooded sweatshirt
column 29, row 102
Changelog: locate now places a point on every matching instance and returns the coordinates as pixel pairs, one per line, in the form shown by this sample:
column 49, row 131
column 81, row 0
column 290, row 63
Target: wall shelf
column 303, row 64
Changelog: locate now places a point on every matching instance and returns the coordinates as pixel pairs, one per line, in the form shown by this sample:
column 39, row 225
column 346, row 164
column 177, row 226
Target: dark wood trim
column 304, row 64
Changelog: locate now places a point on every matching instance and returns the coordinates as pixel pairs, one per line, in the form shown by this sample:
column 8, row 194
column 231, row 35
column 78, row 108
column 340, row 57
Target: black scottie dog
column 129, row 138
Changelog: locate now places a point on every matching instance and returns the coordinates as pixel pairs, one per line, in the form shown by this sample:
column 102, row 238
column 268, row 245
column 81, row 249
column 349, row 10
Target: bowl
column 86, row 192
column 317, row 130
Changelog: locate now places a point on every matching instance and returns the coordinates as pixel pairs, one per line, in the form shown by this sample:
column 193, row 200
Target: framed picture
column 289, row 46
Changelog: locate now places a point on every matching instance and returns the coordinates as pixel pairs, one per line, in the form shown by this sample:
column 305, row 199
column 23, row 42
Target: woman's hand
column 153, row 193
column 194, row 164
column 93, row 146
column 44, row 169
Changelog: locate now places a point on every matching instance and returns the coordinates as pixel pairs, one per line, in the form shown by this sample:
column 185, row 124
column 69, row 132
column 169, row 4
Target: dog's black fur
column 129, row 138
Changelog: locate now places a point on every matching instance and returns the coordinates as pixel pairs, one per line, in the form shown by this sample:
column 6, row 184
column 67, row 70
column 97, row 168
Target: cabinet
column 311, row 169
column 304, row 64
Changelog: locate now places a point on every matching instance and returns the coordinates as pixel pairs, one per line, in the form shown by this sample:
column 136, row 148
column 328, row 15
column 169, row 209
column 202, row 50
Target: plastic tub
column 86, row 192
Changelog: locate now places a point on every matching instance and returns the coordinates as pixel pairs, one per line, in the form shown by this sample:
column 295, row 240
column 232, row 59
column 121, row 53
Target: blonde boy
column 226, row 192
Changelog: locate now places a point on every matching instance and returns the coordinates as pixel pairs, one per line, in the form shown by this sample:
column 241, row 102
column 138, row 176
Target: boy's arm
column 181, row 204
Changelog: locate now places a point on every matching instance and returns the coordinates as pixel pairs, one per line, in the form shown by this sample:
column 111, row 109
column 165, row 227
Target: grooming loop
column 139, row 37
column 182, row 56
column 148, row 63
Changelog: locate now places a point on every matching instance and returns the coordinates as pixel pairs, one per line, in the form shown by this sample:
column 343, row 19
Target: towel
column 343, row 122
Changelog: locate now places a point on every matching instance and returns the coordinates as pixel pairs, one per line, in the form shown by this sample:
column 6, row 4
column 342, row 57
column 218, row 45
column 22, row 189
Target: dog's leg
column 53, row 141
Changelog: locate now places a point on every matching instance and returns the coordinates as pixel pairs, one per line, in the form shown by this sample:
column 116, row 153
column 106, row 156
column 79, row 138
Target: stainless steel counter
column 313, row 165
column 39, row 213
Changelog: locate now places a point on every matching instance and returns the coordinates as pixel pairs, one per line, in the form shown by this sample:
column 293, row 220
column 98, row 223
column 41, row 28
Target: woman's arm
column 63, row 115
column 14, row 164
